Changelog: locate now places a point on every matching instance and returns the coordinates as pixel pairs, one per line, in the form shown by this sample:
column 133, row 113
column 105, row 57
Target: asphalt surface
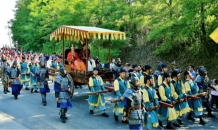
column 28, row 113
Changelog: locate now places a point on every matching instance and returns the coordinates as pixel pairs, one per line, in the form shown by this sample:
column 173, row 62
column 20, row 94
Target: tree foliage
column 171, row 23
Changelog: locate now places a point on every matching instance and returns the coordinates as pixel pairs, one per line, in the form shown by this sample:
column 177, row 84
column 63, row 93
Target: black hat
column 163, row 66
column 147, row 78
column 192, row 66
column 166, row 75
column 147, row 67
column 186, row 73
column 131, row 70
column 175, row 73
column 122, row 70
column 95, row 68
column 4, row 60
column 135, row 65
column 54, row 53
column 23, row 57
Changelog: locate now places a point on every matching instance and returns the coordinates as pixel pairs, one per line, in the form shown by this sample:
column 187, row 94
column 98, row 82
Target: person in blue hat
column 120, row 86
column 25, row 71
column 97, row 101
column 33, row 81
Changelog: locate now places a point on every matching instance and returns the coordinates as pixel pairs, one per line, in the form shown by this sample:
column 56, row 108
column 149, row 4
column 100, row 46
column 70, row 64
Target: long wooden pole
column 63, row 50
column 87, row 55
column 109, row 52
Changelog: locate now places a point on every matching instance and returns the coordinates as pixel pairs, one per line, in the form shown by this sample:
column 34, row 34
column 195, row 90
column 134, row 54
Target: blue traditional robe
column 96, row 84
column 166, row 113
column 120, row 86
column 150, row 99
column 195, row 105
column 24, row 69
column 178, row 92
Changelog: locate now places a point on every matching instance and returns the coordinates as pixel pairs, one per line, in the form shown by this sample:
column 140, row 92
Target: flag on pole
column 214, row 35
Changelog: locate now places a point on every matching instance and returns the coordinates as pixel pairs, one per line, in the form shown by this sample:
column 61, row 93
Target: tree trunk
column 204, row 38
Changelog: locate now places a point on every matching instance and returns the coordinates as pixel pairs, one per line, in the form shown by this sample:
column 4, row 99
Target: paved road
column 28, row 113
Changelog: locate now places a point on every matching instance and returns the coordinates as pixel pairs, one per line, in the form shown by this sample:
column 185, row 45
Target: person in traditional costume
column 33, row 80
column 62, row 93
column 150, row 100
column 120, row 86
column 203, row 85
column 82, row 55
column 97, row 101
column 54, row 65
column 75, row 61
column 148, row 72
column 25, row 71
column 179, row 93
column 42, row 80
column 13, row 78
column 195, row 105
column 4, row 76
column 166, row 113
column 133, row 103
column 160, row 77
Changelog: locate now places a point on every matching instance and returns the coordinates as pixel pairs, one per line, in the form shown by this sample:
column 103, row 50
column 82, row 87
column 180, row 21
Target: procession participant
column 151, row 100
column 157, row 73
column 116, row 69
column 4, row 76
column 97, row 101
column 42, row 80
column 135, row 67
column 82, row 56
column 62, row 92
column 148, row 72
column 98, row 63
column 203, row 87
column 13, row 78
column 133, row 103
column 166, row 113
column 140, row 70
column 33, row 82
column 175, row 66
column 160, row 77
column 54, row 65
column 60, row 62
column 82, row 53
column 178, row 92
column 120, row 86
column 127, row 68
column 24, row 76
column 53, row 56
column 195, row 105
column 75, row 61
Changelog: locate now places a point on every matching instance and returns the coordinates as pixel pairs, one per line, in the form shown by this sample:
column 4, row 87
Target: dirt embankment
column 142, row 54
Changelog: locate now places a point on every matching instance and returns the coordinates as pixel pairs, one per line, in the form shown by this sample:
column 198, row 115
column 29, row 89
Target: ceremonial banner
column 214, row 35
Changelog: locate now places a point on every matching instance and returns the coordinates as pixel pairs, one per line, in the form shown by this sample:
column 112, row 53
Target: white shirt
column 215, row 93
